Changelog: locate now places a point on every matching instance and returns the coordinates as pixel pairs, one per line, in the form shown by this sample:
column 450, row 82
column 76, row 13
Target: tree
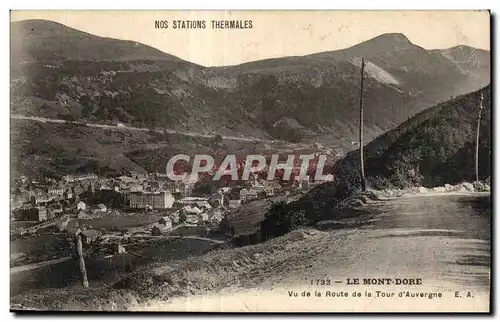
column 216, row 139
column 226, row 227
column 67, row 117
column 281, row 219
column 204, row 188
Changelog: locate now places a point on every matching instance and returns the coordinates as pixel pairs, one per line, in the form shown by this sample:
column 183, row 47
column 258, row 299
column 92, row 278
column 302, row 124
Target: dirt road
column 29, row 267
column 132, row 128
column 441, row 243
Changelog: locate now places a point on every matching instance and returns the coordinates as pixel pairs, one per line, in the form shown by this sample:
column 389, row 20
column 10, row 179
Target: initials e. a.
column 469, row 294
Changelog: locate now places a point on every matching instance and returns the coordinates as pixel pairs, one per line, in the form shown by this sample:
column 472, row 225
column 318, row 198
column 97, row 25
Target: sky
column 274, row 33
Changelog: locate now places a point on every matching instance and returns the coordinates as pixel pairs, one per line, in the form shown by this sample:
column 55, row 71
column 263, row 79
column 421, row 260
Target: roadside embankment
column 371, row 195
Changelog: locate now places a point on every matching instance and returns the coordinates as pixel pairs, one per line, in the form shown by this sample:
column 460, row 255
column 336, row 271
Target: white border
column 257, row 4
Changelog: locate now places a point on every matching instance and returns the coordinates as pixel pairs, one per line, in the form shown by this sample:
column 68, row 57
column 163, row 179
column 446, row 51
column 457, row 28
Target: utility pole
column 477, row 137
column 361, row 158
column 81, row 261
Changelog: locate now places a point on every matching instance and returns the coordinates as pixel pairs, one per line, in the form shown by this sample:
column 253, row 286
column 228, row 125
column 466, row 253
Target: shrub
column 281, row 219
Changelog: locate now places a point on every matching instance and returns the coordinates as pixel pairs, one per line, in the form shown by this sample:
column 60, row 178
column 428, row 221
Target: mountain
column 62, row 73
column 321, row 90
column 47, row 41
column 471, row 61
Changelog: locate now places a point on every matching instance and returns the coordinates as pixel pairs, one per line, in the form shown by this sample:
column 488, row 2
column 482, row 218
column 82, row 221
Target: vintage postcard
column 250, row 161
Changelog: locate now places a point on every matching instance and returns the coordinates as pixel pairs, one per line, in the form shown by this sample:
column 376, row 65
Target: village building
column 81, row 206
column 125, row 195
column 166, row 221
column 203, row 216
column 216, row 200
column 83, row 214
column 87, row 177
column 136, row 187
column 105, row 187
column 50, row 215
column 22, row 213
column 192, row 200
column 174, row 187
column 216, row 218
column 78, row 189
column 55, row 191
column 41, row 199
column 73, row 227
column 100, row 208
column 155, row 200
column 42, row 214
column 192, row 219
column 90, row 235
column 21, row 196
column 68, row 193
column 234, row 197
column 248, row 194
column 153, row 186
column 138, row 175
column 203, row 205
column 120, row 249
column 199, row 202
column 224, row 190
column 235, row 203
column 56, row 199
column 175, row 217
column 158, row 229
column 54, row 210
column 62, row 224
column 271, row 188
column 37, row 214
column 190, row 210
column 304, row 184
column 69, row 178
column 125, row 179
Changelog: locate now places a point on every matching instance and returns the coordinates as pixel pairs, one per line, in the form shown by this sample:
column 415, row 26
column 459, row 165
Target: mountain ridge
column 393, row 37
column 23, row 32
column 312, row 98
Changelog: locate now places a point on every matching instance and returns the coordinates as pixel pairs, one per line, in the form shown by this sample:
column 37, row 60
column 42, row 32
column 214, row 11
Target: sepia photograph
column 250, row 161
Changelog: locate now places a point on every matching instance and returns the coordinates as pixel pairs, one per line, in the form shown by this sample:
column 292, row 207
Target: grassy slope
column 57, row 149
column 437, row 145
column 162, row 280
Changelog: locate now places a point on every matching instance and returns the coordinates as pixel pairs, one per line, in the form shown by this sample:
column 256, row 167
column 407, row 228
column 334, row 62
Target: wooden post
column 361, row 157
column 477, row 137
column 81, row 261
